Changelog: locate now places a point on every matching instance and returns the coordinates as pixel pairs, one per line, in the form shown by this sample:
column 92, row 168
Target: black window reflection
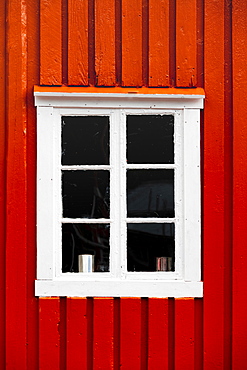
column 86, row 194
column 146, row 243
column 80, row 239
column 150, row 139
column 85, row 140
column 150, row 193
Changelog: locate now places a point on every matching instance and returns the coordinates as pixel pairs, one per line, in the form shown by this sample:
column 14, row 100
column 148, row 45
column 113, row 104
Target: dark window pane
column 86, row 194
column 85, row 140
column 150, row 139
column 150, row 193
column 150, row 247
column 85, row 239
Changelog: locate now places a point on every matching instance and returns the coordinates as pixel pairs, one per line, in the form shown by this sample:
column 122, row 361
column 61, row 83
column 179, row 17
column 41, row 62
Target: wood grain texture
column 158, row 334
column 2, row 180
column 184, row 334
column 78, row 42
column 49, row 338
column 186, row 63
column 239, row 331
column 32, row 78
column 105, row 42
column 77, row 326
column 132, row 43
column 130, row 333
column 103, row 334
column 159, row 43
column 16, row 191
column 50, row 42
column 214, row 200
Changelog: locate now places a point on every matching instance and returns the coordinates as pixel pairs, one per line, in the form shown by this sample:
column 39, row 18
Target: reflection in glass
column 79, row 239
column 146, row 242
column 85, row 140
column 150, row 193
column 86, row 194
column 150, row 139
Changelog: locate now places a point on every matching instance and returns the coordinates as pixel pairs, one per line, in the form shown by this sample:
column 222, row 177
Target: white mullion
column 123, row 193
column 150, row 220
column 86, row 167
column 178, row 192
column 151, row 166
column 86, row 220
column 114, row 195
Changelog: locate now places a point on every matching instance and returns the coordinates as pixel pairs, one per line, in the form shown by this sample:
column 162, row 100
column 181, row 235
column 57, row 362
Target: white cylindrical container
column 85, row 263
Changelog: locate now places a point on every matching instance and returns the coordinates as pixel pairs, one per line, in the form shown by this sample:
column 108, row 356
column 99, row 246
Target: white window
column 118, row 195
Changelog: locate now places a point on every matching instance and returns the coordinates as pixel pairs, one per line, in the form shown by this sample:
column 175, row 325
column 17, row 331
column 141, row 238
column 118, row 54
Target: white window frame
column 185, row 281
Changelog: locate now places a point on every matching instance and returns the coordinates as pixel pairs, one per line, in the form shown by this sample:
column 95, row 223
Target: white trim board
column 185, row 281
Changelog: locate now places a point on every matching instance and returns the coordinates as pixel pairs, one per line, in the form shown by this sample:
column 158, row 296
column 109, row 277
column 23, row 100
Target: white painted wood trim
column 111, row 100
column 185, row 281
column 45, row 193
column 192, row 197
column 119, row 288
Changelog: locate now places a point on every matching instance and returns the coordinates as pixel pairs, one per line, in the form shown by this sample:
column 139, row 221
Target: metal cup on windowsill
column 163, row 263
column 85, row 263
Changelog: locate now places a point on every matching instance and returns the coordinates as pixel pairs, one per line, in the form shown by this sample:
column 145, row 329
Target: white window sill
column 119, row 288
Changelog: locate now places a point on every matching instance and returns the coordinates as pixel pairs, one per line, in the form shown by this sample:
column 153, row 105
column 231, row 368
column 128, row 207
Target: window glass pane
column 150, row 247
column 85, row 140
column 85, row 247
column 150, row 139
column 150, row 193
column 86, row 194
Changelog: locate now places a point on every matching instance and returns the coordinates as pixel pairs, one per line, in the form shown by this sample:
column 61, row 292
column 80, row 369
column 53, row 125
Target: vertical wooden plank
column 213, row 198
column 158, row 42
column 103, row 348
column 158, row 334
column 239, row 331
column 105, row 42
column 132, row 43
column 184, row 334
column 130, row 333
column 186, row 48
column 2, row 179
column 49, row 339
column 50, row 42
column 32, row 79
column 78, row 42
column 76, row 333
column 16, row 120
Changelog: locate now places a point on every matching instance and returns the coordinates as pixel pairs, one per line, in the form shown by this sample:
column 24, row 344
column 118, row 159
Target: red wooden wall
column 181, row 43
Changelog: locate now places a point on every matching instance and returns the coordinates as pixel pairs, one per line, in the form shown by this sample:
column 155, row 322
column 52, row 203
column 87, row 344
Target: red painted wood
column 132, row 43
column 49, row 339
column 158, row 334
column 50, row 42
column 214, row 199
column 76, row 351
column 159, row 43
column 239, row 330
column 2, row 182
column 16, row 197
column 32, row 78
column 105, row 42
column 130, row 333
column 103, row 332
column 184, row 334
column 186, row 63
column 78, row 42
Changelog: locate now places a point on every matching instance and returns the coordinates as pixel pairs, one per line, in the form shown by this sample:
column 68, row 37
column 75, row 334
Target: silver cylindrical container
column 86, row 263
column 163, row 263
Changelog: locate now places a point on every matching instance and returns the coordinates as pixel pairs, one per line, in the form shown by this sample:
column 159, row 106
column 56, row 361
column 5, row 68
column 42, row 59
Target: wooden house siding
column 114, row 43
